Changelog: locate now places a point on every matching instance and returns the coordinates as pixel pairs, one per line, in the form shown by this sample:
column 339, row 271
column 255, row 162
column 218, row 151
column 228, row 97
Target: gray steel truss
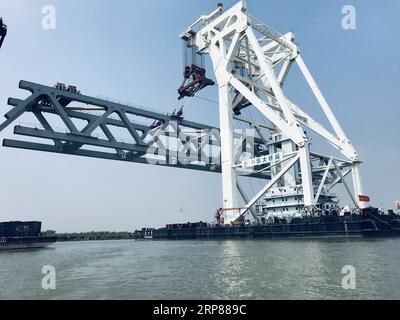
column 148, row 143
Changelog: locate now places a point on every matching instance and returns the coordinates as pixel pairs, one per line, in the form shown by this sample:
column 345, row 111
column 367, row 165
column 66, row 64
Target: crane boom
column 3, row 31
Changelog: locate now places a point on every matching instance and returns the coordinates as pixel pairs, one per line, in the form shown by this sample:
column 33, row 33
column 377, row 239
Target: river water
column 259, row 269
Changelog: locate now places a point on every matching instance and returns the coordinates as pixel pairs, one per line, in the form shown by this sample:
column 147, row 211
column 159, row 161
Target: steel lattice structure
column 251, row 62
column 145, row 145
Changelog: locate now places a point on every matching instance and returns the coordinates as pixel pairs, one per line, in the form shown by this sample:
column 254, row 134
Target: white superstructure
column 251, row 62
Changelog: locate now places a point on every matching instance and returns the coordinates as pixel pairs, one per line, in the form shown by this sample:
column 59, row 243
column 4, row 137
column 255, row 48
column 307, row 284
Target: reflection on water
column 229, row 276
column 262, row 269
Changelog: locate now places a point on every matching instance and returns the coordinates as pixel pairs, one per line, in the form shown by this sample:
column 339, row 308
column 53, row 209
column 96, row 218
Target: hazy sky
column 130, row 50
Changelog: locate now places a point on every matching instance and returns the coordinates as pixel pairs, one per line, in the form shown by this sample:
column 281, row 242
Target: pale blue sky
column 130, row 50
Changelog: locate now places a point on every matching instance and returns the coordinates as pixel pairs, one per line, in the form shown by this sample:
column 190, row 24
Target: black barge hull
column 369, row 224
column 23, row 235
column 17, row 243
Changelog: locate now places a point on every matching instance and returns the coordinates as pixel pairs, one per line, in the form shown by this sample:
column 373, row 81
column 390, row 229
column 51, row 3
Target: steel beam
column 144, row 140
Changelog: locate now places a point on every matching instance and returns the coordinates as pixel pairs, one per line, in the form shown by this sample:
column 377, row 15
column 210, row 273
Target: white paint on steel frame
column 230, row 38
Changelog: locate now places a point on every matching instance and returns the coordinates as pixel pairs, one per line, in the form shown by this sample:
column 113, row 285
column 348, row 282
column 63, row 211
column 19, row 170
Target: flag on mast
column 364, row 198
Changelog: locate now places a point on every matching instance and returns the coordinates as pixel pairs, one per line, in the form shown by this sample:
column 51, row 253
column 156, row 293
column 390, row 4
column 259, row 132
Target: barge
column 16, row 235
column 369, row 222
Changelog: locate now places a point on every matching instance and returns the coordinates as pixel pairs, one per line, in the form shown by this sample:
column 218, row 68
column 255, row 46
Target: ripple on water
column 261, row 269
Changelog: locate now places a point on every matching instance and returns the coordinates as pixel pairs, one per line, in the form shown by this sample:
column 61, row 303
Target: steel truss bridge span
column 251, row 64
column 87, row 130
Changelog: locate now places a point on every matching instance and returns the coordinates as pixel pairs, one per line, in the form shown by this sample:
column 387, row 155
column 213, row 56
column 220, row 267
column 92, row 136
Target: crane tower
column 251, row 62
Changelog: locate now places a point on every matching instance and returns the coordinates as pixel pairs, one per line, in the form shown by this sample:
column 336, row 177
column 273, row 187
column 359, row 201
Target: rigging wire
column 258, row 115
column 205, row 99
